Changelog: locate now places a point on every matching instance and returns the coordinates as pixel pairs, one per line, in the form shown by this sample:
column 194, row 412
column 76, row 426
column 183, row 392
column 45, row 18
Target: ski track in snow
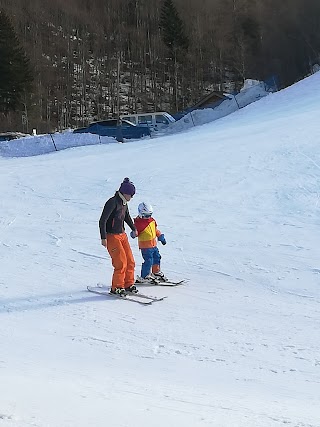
column 237, row 346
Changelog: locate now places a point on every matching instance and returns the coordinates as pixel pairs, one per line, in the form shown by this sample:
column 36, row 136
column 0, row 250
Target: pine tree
column 15, row 71
column 172, row 29
column 174, row 37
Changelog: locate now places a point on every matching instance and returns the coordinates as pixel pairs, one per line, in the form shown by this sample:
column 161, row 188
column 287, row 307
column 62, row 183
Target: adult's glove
column 162, row 239
column 133, row 234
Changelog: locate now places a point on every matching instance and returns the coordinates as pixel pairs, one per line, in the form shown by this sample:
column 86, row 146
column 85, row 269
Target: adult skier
column 113, row 237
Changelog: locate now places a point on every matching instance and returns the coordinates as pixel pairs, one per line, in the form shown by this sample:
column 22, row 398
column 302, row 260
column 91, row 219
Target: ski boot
column 148, row 280
column 132, row 289
column 160, row 277
column 118, row 291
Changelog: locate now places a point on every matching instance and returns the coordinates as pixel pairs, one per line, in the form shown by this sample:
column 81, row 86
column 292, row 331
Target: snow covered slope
column 238, row 346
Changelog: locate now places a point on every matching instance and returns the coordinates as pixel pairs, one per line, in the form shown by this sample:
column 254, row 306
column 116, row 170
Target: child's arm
column 160, row 235
column 162, row 239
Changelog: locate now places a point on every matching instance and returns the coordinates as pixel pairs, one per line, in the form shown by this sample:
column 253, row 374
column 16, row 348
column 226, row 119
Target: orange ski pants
column 122, row 260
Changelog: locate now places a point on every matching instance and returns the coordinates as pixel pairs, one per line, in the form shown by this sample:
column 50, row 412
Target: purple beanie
column 127, row 187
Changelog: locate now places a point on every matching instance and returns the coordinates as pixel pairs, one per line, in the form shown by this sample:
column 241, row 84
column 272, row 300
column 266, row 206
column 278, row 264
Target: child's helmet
column 145, row 210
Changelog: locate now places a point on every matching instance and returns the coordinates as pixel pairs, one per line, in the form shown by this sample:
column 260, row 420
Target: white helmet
column 145, row 210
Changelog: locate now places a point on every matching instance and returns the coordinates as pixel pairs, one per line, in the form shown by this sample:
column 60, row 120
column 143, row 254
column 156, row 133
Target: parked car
column 8, row 136
column 155, row 121
column 110, row 127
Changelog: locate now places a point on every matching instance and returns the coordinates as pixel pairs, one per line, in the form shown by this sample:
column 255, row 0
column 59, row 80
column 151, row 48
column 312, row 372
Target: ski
column 156, row 282
column 127, row 297
column 149, row 297
column 173, row 283
column 103, row 290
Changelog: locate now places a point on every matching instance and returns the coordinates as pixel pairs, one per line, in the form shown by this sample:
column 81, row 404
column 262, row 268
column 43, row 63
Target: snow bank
column 43, row 144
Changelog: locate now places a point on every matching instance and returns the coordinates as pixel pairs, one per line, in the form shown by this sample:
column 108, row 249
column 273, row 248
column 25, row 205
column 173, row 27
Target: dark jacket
column 113, row 217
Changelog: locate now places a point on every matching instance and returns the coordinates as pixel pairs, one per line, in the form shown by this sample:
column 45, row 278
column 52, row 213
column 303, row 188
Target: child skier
column 148, row 234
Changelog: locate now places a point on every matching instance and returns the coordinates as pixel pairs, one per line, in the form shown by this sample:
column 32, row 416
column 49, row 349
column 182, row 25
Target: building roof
column 210, row 98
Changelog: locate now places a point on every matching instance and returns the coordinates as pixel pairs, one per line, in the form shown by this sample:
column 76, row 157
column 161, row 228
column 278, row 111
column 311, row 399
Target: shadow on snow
column 47, row 301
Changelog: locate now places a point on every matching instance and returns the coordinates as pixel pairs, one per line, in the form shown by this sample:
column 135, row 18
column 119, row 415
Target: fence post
column 53, row 142
column 192, row 118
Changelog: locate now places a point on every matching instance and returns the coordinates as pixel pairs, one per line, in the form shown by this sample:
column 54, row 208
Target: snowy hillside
column 237, row 346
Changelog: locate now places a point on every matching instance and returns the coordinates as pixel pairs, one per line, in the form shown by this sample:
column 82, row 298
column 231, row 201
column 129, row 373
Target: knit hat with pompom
column 127, row 187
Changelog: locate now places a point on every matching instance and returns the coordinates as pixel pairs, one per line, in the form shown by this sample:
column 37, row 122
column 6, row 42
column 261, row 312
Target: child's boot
column 160, row 276
column 146, row 280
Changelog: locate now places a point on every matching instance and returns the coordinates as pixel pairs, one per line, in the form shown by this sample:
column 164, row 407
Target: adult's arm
column 128, row 220
column 107, row 211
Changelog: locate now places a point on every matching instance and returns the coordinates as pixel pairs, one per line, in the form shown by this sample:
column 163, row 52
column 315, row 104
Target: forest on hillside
column 91, row 59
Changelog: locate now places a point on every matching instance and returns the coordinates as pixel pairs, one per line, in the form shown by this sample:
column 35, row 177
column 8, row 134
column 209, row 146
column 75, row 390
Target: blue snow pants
column 151, row 256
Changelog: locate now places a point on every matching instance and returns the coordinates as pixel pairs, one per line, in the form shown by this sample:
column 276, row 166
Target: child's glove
column 162, row 239
column 133, row 234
